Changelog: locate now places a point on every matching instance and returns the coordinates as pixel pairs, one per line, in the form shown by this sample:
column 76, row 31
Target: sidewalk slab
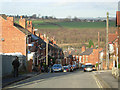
column 106, row 79
column 10, row 80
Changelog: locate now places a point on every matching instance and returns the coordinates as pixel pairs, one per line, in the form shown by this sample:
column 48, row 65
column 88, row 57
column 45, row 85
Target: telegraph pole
column 47, row 52
column 98, row 48
column 107, row 51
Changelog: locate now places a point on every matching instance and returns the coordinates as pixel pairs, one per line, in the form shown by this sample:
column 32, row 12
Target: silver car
column 57, row 68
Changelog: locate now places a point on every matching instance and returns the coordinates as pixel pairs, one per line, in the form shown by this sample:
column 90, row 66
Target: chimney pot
column 30, row 22
column 27, row 22
column 20, row 17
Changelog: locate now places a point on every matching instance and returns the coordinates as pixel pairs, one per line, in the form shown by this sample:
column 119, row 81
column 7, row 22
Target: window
column 80, row 59
column 83, row 58
column 86, row 58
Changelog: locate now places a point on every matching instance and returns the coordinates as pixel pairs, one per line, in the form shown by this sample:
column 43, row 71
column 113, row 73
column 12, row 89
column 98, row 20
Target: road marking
column 97, row 81
column 33, row 82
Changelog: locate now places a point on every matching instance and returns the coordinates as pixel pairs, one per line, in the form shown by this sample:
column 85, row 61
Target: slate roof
column 3, row 16
column 87, row 51
column 25, row 31
column 73, row 52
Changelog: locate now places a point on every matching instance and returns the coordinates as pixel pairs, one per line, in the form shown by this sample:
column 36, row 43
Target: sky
column 60, row 8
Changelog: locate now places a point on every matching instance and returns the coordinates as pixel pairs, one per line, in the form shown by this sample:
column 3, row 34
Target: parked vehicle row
column 60, row 68
column 71, row 68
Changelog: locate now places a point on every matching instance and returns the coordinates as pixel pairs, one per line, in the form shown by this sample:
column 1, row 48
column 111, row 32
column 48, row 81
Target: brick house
column 113, row 49
column 13, row 36
column 118, row 26
column 84, row 56
column 22, row 38
column 90, row 55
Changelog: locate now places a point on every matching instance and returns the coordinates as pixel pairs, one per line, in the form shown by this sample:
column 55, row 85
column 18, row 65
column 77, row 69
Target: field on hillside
column 75, row 37
column 74, row 34
column 55, row 25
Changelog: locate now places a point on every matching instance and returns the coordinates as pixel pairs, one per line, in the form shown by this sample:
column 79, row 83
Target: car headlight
column 60, row 68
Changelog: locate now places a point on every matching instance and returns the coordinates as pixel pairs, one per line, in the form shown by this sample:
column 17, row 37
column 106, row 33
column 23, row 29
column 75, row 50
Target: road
column 76, row 79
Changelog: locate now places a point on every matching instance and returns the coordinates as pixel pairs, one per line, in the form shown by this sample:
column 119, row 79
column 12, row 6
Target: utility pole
column 47, row 52
column 98, row 48
column 107, row 51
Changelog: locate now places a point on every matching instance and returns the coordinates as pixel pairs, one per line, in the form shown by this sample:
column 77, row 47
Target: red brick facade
column 14, row 39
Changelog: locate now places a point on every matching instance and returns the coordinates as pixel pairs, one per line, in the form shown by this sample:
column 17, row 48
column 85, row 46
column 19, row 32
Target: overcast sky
column 60, row 8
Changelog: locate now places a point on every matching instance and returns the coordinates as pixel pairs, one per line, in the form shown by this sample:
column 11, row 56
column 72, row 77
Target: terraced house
column 22, row 38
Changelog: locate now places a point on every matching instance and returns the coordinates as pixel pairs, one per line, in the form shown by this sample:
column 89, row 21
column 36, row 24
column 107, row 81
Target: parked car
column 88, row 68
column 57, row 68
column 71, row 68
column 66, row 69
column 94, row 69
column 74, row 67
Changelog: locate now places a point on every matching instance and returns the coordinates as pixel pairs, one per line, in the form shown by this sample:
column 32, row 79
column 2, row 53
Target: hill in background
column 74, row 33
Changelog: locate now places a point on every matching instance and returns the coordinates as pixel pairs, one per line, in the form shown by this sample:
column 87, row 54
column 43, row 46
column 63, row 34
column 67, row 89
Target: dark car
column 88, row 68
column 57, row 68
column 71, row 68
column 94, row 69
column 66, row 68
column 74, row 67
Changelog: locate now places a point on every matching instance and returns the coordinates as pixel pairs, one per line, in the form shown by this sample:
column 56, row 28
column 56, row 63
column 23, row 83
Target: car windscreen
column 88, row 66
column 65, row 67
column 57, row 65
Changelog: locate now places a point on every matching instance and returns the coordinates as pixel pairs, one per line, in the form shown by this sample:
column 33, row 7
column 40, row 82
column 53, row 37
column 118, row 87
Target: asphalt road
column 76, row 79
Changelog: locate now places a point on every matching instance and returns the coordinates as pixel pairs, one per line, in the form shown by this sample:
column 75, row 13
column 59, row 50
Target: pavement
column 10, row 80
column 106, row 79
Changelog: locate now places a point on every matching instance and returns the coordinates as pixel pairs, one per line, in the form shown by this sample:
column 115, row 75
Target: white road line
column 97, row 81
column 33, row 82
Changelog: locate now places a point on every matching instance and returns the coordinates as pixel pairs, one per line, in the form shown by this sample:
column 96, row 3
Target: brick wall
column 14, row 39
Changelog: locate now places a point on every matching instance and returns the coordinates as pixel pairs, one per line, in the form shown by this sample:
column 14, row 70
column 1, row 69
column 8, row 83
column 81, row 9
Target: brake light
column 85, row 68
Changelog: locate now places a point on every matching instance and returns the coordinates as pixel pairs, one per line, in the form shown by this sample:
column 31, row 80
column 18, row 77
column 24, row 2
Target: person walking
column 16, row 65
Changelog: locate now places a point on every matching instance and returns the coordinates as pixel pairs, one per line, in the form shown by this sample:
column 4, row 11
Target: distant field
column 55, row 25
column 47, row 24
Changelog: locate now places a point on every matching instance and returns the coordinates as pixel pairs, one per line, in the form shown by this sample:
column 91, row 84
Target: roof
column 34, row 37
column 87, row 51
column 72, row 52
column 25, row 31
column 112, row 37
column 3, row 16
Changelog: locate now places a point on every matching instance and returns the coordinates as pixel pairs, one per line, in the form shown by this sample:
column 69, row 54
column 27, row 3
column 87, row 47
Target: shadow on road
column 42, row 77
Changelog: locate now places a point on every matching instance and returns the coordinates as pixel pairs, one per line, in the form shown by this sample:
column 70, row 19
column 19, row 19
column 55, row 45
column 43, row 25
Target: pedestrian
column 16, row 65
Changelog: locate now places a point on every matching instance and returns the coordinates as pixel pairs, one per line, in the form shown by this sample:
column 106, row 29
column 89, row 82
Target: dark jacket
column 16, row 63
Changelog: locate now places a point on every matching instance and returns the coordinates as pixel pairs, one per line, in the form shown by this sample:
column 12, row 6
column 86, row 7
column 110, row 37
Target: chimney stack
column 11, row 20
column 22, row 22
column 83, row 48
column 29, row 26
